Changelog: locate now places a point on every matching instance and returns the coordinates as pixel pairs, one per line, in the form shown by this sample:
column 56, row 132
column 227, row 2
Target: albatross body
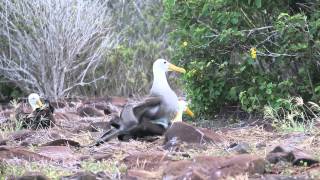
column 153, row 115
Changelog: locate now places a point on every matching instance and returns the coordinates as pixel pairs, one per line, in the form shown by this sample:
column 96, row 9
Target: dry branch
column 53, row 46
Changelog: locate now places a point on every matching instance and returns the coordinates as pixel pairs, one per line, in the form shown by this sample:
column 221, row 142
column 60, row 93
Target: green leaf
column 317, row 89
column 242, row 68
column 258, row 3
column 234, row 20
column 269, row 91
column 283, row 15
column 205, row 9
column 250, row 61
column 233, row 93
column 171, row 3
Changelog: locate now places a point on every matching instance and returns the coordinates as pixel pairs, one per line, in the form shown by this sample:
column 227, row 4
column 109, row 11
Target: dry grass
column 260, row 143
column 119, row 150
column 19, row 167
column 296, row 116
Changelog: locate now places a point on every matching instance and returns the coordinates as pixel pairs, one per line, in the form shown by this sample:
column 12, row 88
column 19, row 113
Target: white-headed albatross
column 168, row 106
column 153, row 115
column 183, row 107
column 41, row 115
column 34, row 101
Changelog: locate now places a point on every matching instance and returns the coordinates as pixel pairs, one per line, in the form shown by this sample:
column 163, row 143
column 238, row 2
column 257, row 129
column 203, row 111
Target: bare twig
column 54, row 45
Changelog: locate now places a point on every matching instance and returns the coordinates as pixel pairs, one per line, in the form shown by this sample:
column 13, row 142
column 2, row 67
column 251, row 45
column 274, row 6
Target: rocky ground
column 187, row 151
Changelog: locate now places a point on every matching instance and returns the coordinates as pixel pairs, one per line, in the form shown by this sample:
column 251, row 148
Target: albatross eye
column 165, row 62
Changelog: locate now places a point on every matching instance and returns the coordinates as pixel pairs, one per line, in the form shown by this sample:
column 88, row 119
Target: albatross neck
column 160, row 84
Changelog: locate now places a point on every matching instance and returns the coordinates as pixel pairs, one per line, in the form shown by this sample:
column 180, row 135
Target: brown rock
column 211, row 136
column 104, row 175
column 100, row 105
column 100, row 157
column 282, row 177
column 118, row 101
column 71, row 104
column 5, row 116
column 317, row 123
column 23, row 108
column 54, row 135
column 32, row 176
column 241, row 148
column 57, row 152
column 25, row 143
column 268, row 127
column 96, row 100
column 82, row 126
column 3, row 119
column 97, row 157
column 66, row 116
column 314, row 171
column 62, row 142
column 261, row 145
column 276, row 157
column 58, row 104
column 3, row 142
column 176, row 169
column 187, row 133
column 142, row 174
column 80, row 176
column 207, row 167
column 21, row 135
column 10, row 153
column 147, row 161
column 291, row 154
column 95, row 126
column 103, row 105
column 89, row 111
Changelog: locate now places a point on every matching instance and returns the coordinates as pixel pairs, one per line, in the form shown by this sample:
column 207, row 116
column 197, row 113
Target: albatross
column 183, row 107
column 153, row 115
column 168, row 106
column 41, row 115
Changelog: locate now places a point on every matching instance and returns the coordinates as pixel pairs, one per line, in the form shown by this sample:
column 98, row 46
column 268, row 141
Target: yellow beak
column 39, row 103
column 189, row 112
column 176, row 68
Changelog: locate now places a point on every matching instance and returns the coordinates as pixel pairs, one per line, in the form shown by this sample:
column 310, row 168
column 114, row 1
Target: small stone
column 80, row 176
column 261, row 145
column 240, row 148
column 291, row 154
column 32, row 176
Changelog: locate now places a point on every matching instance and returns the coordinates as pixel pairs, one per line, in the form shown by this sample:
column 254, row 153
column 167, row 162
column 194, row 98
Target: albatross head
column 160, row 84
column 183, row 107
column 34, row 101
column 162, row 65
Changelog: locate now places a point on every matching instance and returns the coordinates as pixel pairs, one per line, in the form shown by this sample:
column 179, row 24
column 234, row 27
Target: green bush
column 213, row 38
